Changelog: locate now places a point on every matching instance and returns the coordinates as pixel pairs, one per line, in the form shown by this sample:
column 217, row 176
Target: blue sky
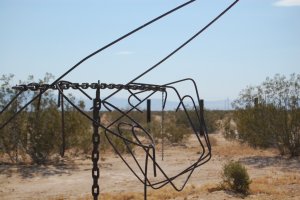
column 256, row 39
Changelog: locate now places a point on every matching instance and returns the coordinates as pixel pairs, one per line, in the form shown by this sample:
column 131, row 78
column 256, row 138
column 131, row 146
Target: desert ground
column 273, row 176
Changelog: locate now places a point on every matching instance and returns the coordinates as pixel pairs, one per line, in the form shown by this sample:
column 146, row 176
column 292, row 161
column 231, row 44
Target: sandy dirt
column 70, row 178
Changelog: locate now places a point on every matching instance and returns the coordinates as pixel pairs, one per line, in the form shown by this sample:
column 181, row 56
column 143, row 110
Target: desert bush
column 43, row 136
column 11, row 136
column 175, row 133
column 274, row 119
column 109, row 140
column 78, row 129
column 36, row 131
column 210, row 117
column 176, row 127
column 42, row 125
column 235, row 177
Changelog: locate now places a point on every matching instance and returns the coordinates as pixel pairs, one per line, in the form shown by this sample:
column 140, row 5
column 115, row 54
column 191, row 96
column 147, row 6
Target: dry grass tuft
column 234, row 148
column 283, row 185
column 167, row 193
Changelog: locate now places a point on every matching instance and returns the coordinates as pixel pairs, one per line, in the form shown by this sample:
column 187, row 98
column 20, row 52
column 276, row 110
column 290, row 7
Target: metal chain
column 66, row 85
column 96, row 141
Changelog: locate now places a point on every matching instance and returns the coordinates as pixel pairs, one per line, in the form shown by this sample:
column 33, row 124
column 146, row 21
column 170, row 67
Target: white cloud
column 125, row 53
column 287, row 3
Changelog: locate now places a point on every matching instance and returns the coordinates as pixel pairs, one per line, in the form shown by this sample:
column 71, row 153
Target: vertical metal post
column 16, row 134
column 201, row 117
column 96, row 141
column 255, row 102
column 162, row 126
column 148, row 111
column 152, row 135
column 149, row 115
column 63, row 145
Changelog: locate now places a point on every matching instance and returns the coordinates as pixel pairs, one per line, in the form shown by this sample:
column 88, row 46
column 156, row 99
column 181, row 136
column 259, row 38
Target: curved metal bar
column 133, row 156
column 155, row 164
column 146, row 175
column 129, row 102
column 196, row 164
column 124, row 160
column 125, row 114
column 189, row 169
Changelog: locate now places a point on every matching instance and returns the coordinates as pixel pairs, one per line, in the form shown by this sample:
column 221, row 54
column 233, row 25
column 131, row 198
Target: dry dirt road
column 273, row 176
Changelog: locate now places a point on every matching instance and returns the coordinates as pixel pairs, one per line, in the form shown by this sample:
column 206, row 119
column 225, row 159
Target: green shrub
column 235, row 177
column 175, row 134
column 268, row 115
column 121, row 145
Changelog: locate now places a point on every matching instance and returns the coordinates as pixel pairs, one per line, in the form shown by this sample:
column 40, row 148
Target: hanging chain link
column 96, row 141
column 67, row 85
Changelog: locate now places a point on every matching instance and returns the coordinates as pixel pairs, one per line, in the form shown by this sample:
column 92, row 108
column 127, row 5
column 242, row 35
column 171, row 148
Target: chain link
column 96, row 141
column 66, row 85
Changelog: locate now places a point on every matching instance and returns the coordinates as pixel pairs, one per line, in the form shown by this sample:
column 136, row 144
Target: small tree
column 78, row 130
column 274, row 120
column 42, row 125
column 11, row 136
column 35, row 131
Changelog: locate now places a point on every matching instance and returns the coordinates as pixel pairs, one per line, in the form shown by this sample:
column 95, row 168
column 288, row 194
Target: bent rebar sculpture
column 135, row 89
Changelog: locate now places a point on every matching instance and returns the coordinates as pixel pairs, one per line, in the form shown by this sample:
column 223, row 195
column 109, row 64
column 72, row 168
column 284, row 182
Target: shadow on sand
column 286, row 164
column 30, row 171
